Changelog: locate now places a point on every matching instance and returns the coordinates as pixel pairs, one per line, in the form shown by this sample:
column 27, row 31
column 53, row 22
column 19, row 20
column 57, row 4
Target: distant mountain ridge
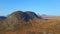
column 2, row 17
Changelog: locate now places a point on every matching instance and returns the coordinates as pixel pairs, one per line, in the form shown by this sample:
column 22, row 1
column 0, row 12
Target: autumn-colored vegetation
column 17, row 25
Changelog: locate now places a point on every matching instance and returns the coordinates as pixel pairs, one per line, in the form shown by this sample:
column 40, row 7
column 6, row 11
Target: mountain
column 19, row 19
column 26, row 16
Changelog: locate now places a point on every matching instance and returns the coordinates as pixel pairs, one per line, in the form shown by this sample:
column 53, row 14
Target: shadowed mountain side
column 32, row 14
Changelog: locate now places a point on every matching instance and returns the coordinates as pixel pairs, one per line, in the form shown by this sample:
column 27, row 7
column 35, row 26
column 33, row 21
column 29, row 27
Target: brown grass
column 51, row 26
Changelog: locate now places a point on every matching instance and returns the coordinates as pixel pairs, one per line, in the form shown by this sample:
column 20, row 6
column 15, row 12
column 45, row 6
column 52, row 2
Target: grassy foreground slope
column 52, row 26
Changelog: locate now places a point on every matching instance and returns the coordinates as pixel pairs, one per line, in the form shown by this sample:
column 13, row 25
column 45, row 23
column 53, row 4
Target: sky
column 48, row 7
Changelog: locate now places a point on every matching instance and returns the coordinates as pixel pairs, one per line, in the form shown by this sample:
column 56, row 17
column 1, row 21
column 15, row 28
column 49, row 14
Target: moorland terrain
column 28, row 22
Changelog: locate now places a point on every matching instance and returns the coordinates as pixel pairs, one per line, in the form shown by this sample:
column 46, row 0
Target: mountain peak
column 24, row 15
